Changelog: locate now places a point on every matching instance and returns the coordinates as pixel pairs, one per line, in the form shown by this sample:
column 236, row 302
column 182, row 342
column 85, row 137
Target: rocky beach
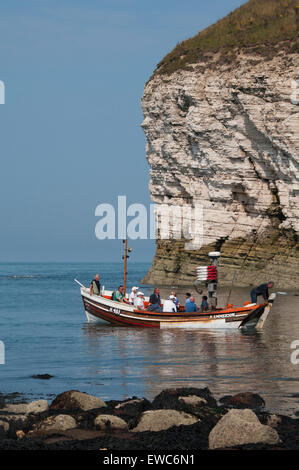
column 176, row 419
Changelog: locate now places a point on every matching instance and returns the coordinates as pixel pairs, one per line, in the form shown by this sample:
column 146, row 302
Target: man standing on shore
column 263, row 290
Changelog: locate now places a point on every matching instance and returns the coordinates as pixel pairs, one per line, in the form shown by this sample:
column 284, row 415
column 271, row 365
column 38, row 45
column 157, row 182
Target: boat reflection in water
column 142, row 362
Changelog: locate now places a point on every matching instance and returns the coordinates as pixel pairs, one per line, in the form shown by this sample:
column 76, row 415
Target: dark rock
column 73, row 399
column 42, row 376
column 243, row 400
column 170, row 398
column 132, row 407
column 2, row 401
column 14, row 397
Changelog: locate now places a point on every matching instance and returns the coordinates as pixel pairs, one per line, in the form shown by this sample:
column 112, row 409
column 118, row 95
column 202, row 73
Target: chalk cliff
column 223, row 132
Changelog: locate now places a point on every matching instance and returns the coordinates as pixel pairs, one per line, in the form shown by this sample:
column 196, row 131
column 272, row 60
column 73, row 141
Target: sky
column 70, row 136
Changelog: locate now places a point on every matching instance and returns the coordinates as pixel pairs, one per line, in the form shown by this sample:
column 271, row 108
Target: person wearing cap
column 188, row 296
column 139, row 301
column 169, row 306
column 133, row 295
column 175, row 300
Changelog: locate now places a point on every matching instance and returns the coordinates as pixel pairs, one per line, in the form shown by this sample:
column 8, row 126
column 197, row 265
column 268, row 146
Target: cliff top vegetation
column 260, row 25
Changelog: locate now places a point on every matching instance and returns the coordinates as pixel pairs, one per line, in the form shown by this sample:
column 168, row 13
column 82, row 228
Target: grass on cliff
column 257, row 22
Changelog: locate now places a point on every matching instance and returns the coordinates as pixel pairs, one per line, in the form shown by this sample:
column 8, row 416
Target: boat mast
column 125, row 257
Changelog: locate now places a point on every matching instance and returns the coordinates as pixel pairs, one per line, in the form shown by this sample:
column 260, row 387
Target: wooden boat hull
column 100, row 308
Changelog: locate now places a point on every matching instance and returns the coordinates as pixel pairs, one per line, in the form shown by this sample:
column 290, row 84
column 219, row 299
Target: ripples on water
column 43, row 325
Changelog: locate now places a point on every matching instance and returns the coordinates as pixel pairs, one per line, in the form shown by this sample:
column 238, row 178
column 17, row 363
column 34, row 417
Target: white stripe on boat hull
column 201, row 324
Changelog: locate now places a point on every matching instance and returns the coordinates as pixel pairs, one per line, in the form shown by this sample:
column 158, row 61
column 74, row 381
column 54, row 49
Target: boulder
column 110, row 423
column 73, row 399
column 4, row 428
column 158, row 420
column 16, row 408
column 193, row 400
column 132, row 407
column 243, row 400
column 16, row 414
column 39, row 406
column 240, row 427
column 171, row 398
column 56, row 423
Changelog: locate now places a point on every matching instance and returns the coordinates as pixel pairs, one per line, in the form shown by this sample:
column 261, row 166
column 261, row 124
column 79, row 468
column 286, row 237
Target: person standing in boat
column 204, row 304
column 155, row 301
column 263, row 290
column 95, row 286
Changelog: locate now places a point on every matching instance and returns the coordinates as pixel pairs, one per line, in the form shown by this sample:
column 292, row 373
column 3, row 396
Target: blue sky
column 74, row 73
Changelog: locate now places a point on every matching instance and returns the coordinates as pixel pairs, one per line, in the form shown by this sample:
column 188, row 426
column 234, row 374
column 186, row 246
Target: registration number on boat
column 224, row 315
column 114, row 310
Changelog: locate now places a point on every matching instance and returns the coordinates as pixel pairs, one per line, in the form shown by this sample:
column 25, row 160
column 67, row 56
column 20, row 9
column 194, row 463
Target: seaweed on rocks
column 27, row 434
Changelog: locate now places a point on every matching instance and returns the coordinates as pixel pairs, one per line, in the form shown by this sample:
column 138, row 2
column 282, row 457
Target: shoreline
column 176, row 419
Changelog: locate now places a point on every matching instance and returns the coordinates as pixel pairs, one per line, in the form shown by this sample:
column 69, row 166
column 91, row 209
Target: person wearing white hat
column 169, row 306
column 139, row 302
column 133, row 295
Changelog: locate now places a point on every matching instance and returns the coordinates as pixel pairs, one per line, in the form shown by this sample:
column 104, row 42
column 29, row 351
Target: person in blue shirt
column 204, row 304
column 191, row 305
column 188, row 295
column 263, row 290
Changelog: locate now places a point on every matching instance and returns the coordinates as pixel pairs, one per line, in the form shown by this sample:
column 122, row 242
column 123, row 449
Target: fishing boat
column 101, row 308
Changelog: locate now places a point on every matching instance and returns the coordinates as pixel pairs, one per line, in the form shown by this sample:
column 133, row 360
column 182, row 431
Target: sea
column 44, row 330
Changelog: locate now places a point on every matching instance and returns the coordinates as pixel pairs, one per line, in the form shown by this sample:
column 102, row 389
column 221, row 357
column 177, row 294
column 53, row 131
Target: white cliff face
column 228, row 137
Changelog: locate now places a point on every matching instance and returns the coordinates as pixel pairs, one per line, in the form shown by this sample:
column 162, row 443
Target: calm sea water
column 44, row 328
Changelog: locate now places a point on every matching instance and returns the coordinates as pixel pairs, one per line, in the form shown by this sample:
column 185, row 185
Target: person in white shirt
column 139, row 302
column 169, row 305
column 133, row 295
column 175, row 299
